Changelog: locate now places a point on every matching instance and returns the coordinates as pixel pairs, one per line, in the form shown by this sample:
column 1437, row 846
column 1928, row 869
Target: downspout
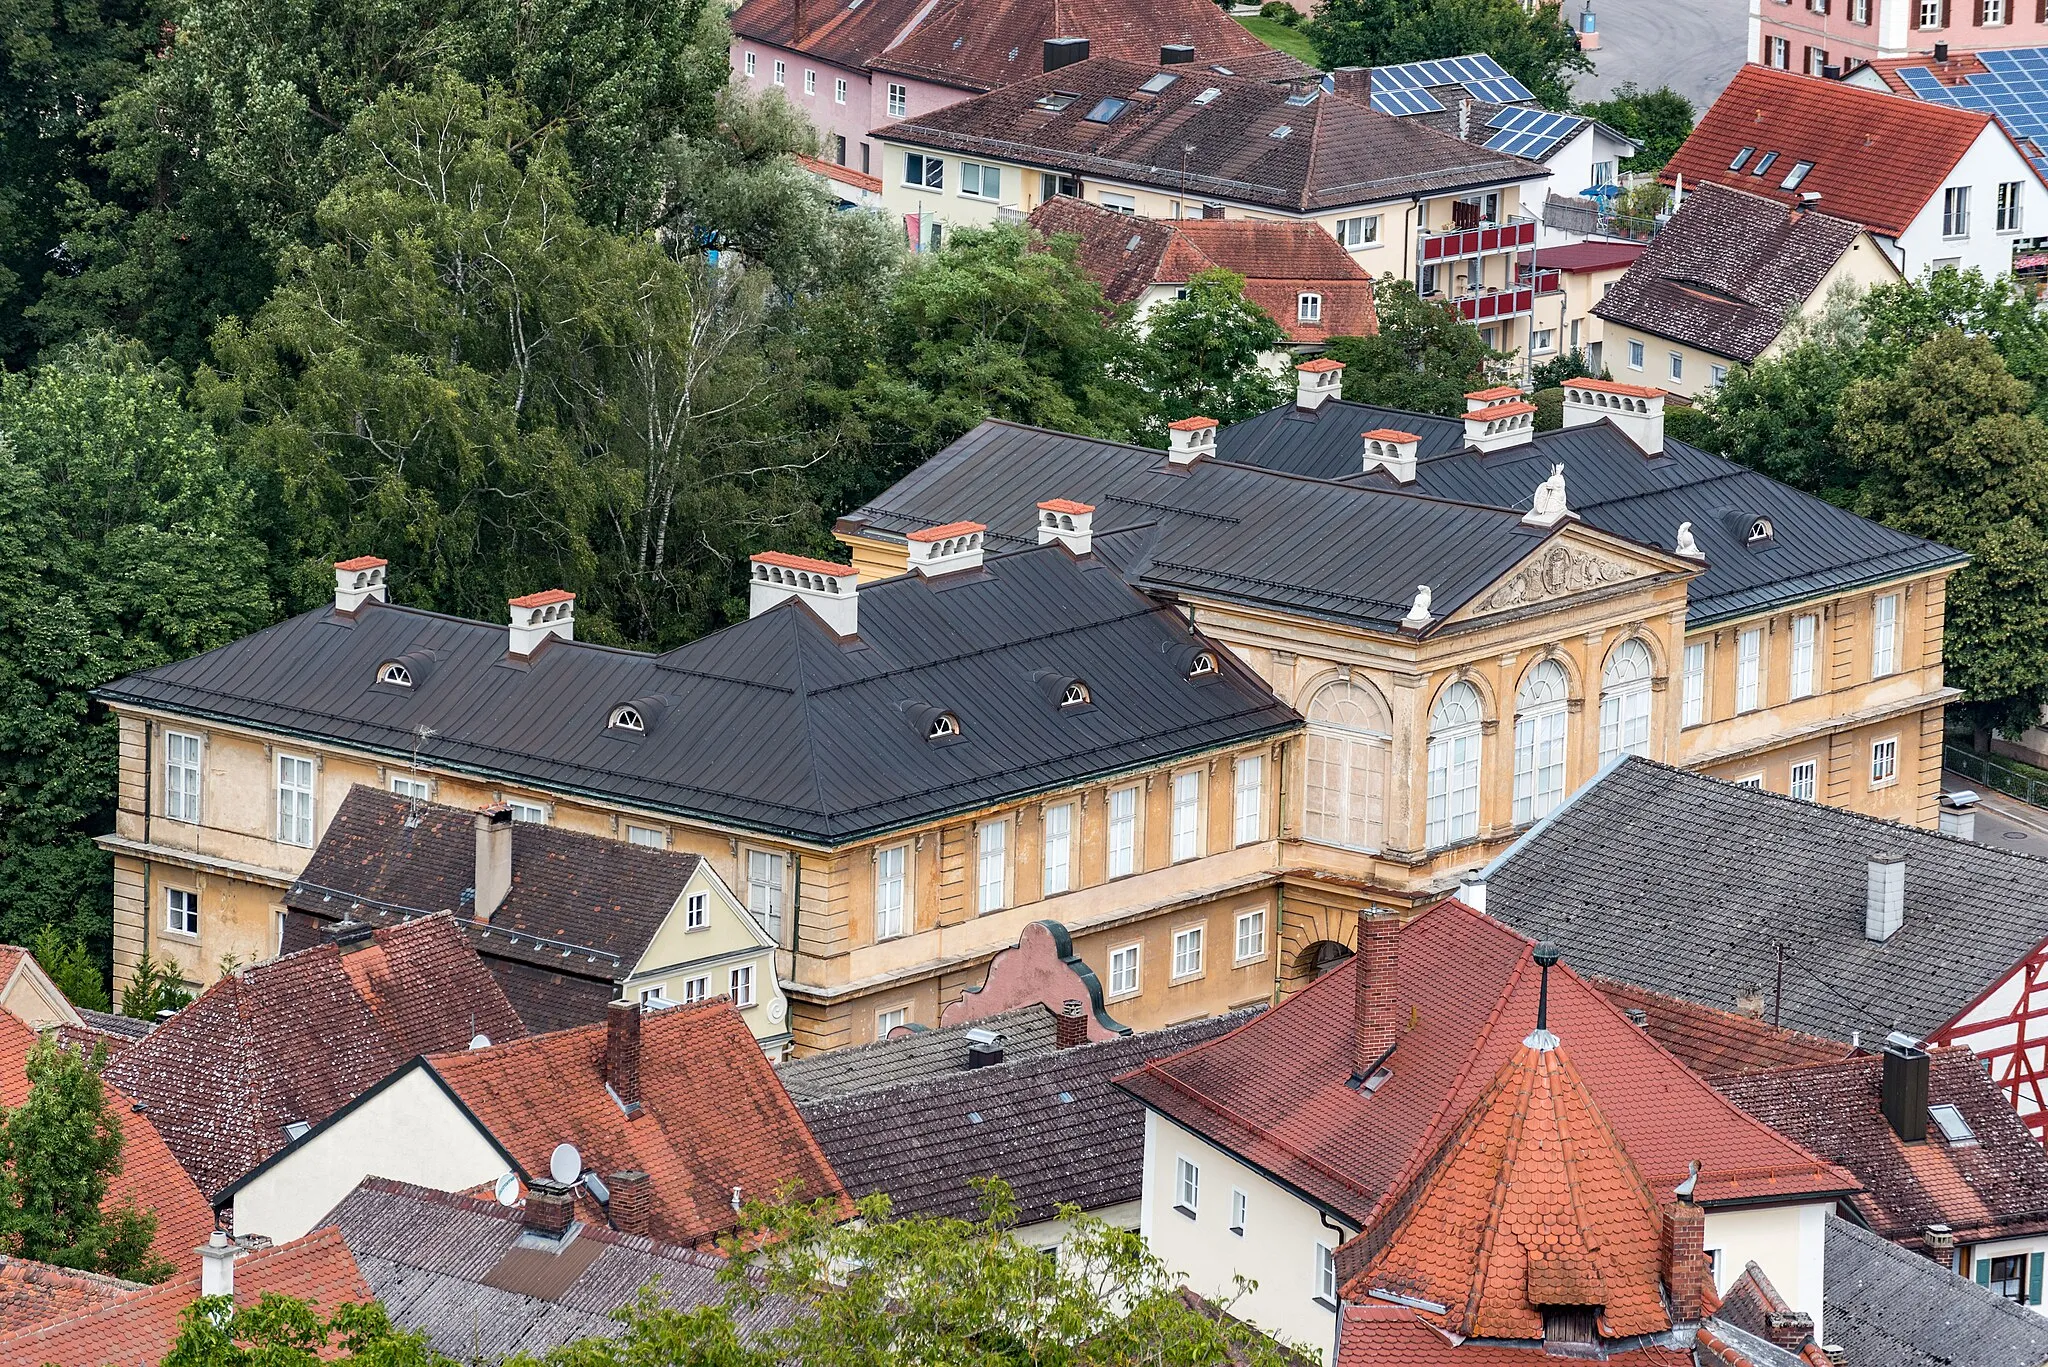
column 1279, row 883
column 148, row 792
column 1337, row 1335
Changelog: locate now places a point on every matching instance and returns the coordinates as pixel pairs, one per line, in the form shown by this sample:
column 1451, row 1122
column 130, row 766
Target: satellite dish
column 479, row 1041
column 506, row 1189
column 565, row 1164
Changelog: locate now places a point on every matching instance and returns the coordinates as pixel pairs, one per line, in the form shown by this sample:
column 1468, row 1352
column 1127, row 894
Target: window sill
column 189, row 936
column 695, row 930
column 1883, row 784
column 1247, row 963
column 1122, row 996
column 1182, row 979
column 1326, row 1303
column 1184, row 1210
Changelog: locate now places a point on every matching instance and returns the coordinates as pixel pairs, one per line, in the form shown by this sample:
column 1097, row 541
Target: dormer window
column 395, row 674
column 944, row 727
column 1075, row 694
column 1760, row 530
column 627, row 718
column 1203, row 665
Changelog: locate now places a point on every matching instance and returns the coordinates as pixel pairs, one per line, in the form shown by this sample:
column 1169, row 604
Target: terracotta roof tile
column 361, row 562
column 1716, row 1043
column 543, row 598
column 942, row 532
column 802, row 562
column 1587, row 256
column 32, row 1294
column 1066, row 505
column 138, row 1328
column 1376, row 1335
column 845, row 175
column 294, row 1039
column 714, row 1115
column 1877, row 159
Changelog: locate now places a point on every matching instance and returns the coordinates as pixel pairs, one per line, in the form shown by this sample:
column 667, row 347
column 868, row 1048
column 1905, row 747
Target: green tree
column 1896, row 320
column 1426, row 357
column 59, row 1149
column 1569, row 365
column 1533, row 43
column 282, row 1331
column 1202, row 354
column 71, row 964
column 1660, row 120
column 154, row 986
column 124, row 544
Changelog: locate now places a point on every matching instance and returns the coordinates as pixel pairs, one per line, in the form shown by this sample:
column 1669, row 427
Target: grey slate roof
column 428, row 1254
column 1884, row 1304
column 109, row 1023
column 1054, row 1127
column 1727, row 271
column 922, row 1054
column 998, row 472
column 772, row 724
column 1686, row 885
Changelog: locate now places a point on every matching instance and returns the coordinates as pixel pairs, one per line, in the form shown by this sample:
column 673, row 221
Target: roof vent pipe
column 946, row 550
column 358, row 581
column 827, row 588
column 1061, row 52
column 217, row 1265
column 1941, row 53
column 493, row 860
column 1176, row 54
column 1884, row 909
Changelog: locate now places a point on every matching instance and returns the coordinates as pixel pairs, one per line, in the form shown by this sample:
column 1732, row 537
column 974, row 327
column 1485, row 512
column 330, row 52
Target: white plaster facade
column 1993, row 160
column 1788, row 1242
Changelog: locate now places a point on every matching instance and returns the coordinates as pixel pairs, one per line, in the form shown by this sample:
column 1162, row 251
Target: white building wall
column 1788, row 1242
column 1991, row 161
column 1994, row 1024
column 2028, row 1248
column 410, row 1132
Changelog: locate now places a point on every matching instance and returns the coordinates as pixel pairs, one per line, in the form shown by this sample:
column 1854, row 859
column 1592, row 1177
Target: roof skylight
column 1763, row 163
column 1954, row 1128
column 1059, row 99
column 1304, row 99
column 1106, row 109
column 1158, row 82
column 1207, row 95
column 1740, row 157
column 1282, row 131
column 1795, row 175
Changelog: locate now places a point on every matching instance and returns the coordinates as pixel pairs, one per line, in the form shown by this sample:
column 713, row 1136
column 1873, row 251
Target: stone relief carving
column 1558, row 572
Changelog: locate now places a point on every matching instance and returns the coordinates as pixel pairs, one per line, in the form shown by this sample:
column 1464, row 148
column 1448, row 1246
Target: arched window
column 1075, row 695
column 943, row 725
column 1761, row 530
column 1204, row 663
column 1625, row 702
column 1539, row 741
column 1349, row 740
column 1454, row 767
column 395, row 674
column 628, row 718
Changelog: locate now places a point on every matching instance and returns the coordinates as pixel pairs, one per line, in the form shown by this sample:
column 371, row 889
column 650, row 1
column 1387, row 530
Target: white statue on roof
column 1419, row 616
column 1548, row 507
column 1687, row 547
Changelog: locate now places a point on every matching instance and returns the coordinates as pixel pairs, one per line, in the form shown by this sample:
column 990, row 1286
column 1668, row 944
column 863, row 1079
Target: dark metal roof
column 1883, row 1303
column 1687, row 885
column 772, row 724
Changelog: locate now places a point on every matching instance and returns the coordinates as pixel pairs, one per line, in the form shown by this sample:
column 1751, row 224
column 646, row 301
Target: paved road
column 2004, row 821
column 1693, row 46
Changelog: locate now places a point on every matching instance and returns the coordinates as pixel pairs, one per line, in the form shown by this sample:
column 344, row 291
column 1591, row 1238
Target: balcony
column 1512, row 234
column 1486, row 307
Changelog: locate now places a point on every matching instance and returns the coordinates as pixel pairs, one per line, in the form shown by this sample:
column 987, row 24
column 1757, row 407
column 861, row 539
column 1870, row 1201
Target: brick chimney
column 946, row 550
column 1316, row 381
column 1791, row 1330
column 538, row 617
column 827, row 588
column 1684, row 1258
column 493, row 859
column 1070, row 1027
column 622, row 1054
column 1376, row 1021
column 1067, row 522
column 1189, row 439
column 359, row 581
column 550, row 1207
column 631, row 1200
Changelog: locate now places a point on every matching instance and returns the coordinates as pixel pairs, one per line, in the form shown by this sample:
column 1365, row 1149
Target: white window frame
column 1356, row 234
column 1542, row 728
column 992, row 866
column 1122, row 852
column 1752, row 781
column 1994, row 13
column 528, row 813
column 1635, row 355
column 1884, row 635
column 1692, row 707
column 697, row 911
column 184, row 767
column 1543, row 341
column 780, row 74
column 980, row 176
column 646, row 837
column 1749, row 669
column 1884, row 762
column 1251, row 936
column 181, row 904
column 1187, row 1186
column 739, row 985
column 412, row 789
column 1805, row 780
column 295, row 823
column 1955, row 212
column 750, row 66
column 1058, row 849
column 1930, row 13
column 1186, row 842
column 1118, row 203
column 1625, row 701
column 1455, row 756
column 650, row 995
column 839, row 90
column 1805, row 651
column 696, row 989
column 2010, row 202
column 1325, row 1275
column 1248, row 800
column 810, row 81
column 892, row 891
column 1240, row 1208
column 765, row 870
column 894, row 1018
column 1308, row 307
column 1677, row 365
column 899, row 101
column 1126, row 963
column 1189, row 952
column 922, row 171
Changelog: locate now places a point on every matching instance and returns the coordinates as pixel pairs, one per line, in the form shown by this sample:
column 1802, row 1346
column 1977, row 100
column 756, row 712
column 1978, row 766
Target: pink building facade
column 842, row 102
column 1809, row 36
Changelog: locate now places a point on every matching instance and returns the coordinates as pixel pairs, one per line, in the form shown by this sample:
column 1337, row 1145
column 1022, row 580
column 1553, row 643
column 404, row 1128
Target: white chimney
column 538, row 616
column 1191, row 439
column 357, row 581
column 1884, row 909
column 1501, row 425
column 1636, row 409
column 1487, row 398
column 1067, row 522
column 217, row 1265
column 829, row 589
column 493, row 859
column 1317, row 380
column 946, row 550
column 1392, row 451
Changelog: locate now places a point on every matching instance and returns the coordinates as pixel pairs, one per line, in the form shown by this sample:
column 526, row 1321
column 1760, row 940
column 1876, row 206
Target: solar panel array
column 1404, row 89
column 2013, row 88
column 1531, row 133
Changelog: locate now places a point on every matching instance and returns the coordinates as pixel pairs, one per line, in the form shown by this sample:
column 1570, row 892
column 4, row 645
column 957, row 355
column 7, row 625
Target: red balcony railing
column 1484, row 308
column 1510, row 236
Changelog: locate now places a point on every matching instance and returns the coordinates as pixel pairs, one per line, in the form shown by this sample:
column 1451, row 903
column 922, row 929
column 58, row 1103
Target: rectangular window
column 1778, row 53
column 653, row 997
column 1359, row 232
column 532, row 813
column 1816, row 60
column 781, row 71
column 1884, row 635
column 899, row 101
column 412, row 789
column 181, row 776
column 1308, row 308
column 885, row 1021
column 839, row 148
column 1059, row 848
column 1805, row 631
column 2007, row 1276
column 993, row 865
column 1452, row 813
column 647, row 837
column 890, row 865
column 929, row 172
column 2009, row 206
column 839, row 92
column 1251, row 935
column 696, row 990
column 1249, row 794
column 1994, row 12
column 1187, row 953
column 295, row 800
column 1123, row 832
column 1187, row 1187
column 1123, row 971
column 1717, row 375
column 1603, row 173
column 1326, row 1275
column 1930, row 14
column 1119, row 204
column 1543, row 340
column 810, row 81
column 1574, row 334
column 697, row 911
column 1239, row 1207
column 1693, row 698
column 1749, row 657
column 181, row 911
column 1884, row 761
column 1187, row 815
column 1955, row 211
column 1755, row 781
column 1802, row 785
column 1677, row 365
column 750, row 66
column 984, row 182
column 1859, row 12
column 764, row 890
column 1635, row 355
column 740, row 985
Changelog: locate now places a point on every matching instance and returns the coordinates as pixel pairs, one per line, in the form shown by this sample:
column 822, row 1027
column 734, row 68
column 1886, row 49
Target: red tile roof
column 1188, row 425
column 714, row 1116
column 845, row 175
column 543, row 598
column 1636, row 391
column 1715, row 1043
column 802, row 562
column 1532, row 1202
column 1066, row 505
column 37, row 1293
column 1390, row 434
column 1586, row 256
column 1390, row 1336
column 941, row 533
column 361, row 562
column 295, row 1039
column 1275, row 1090
column 1877, row 159
column 150, row 1175
column 139, row 1327
column 1957, row 70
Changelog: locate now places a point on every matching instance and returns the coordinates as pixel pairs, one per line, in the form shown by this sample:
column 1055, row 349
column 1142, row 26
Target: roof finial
column 1540, row 1039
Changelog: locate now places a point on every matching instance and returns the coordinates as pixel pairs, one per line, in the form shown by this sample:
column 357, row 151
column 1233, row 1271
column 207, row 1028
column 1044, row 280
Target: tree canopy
column 1532, row 42
column 1426, row 357
column 1204, row 355
column 1660, row 120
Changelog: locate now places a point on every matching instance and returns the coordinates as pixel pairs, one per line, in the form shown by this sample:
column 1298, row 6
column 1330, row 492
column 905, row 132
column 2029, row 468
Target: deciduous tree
column 1203, row 354
column 1426, row 358
column 1532, row 42
column 1659, row 120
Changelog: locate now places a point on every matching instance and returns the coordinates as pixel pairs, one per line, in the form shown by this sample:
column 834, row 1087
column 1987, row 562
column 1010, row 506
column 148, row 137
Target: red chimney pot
column 1070, row 1027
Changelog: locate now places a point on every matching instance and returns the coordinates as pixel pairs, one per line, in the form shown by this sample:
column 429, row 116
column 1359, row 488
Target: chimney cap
column 545, row 598
column 786, row 561
column 1320, row 365
column 1066, row 505
column 937, row 534
column 1635, row 391
column 362, row 562
column 1193, row 424
column 1389, row 434
column 1494, row 394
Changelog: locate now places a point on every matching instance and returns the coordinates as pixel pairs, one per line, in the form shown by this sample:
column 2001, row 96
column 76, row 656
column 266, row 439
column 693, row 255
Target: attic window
column 1156, row 83
column 1207, row 95
column 627, row 718
column 1740, row 157
column 944, row 726
column 1760, row 529
column 1058, row 100
column 1954, row 1128
column 1795, row 175
column 1076, row 694
column 1282, row 131
column 395, row 674
column 295, row 1130
column 1763, row 163
column 1204, row 664
column 1106, row 109
column 1303, row 100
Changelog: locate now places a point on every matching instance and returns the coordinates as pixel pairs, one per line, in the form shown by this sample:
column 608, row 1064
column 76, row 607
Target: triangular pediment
column 1574, row 562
